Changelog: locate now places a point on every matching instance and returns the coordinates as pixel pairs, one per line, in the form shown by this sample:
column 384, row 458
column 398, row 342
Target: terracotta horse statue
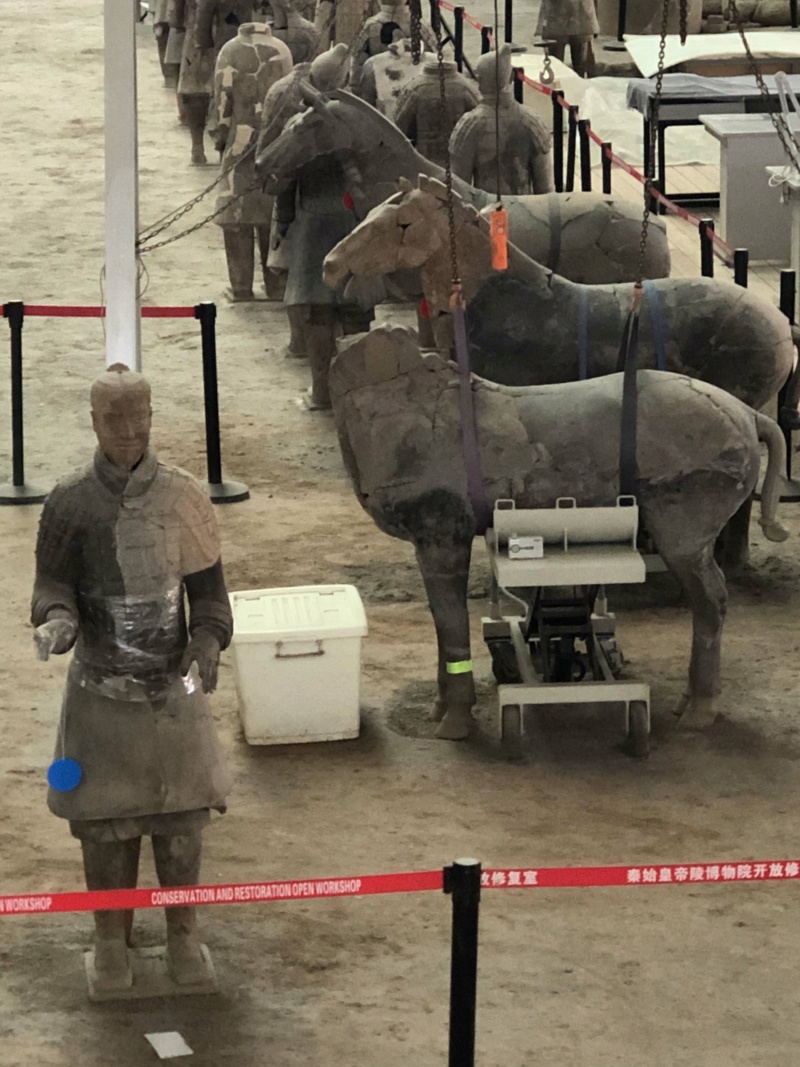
column 586, row 237
column 398, row 418
column 529, row 326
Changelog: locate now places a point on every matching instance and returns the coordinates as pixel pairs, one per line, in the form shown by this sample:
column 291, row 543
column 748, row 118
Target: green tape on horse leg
column 463, row 666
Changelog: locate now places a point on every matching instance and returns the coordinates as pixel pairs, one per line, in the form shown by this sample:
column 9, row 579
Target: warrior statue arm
column 463, row 145
column 177, row 14
column 405, row 117
column 285, row 211
column 204, row 23
column 210, row 623
column 223, row 106
column 54, row 609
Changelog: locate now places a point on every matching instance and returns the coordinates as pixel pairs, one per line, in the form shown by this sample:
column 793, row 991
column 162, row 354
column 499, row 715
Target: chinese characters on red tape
column 674, row 874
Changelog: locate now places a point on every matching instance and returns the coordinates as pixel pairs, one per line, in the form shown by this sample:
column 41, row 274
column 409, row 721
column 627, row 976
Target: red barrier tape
column 721, row 247
column 467, row 17
column 243, row 893
column 409, row 882
column 88, row 312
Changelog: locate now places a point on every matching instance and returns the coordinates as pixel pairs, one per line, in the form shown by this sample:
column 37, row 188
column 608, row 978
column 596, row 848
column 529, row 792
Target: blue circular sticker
column 63, row 775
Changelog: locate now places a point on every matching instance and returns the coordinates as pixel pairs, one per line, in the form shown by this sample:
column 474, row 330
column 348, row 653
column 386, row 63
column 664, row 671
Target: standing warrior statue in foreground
column 120, row 543
column 246, row 68
column 520, row 157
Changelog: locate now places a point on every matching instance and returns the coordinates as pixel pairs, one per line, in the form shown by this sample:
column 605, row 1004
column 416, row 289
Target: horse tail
column 771, row 434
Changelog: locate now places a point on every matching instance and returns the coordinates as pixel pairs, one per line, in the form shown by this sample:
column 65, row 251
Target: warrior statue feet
column 185, row 959
column 111, row 970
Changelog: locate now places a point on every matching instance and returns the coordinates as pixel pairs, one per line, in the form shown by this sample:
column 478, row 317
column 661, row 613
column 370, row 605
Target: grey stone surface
column 399, row 418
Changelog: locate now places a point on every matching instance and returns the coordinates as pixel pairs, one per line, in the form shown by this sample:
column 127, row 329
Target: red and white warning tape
column 408, row 882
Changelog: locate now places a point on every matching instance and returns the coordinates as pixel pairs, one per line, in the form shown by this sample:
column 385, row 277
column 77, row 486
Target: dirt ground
column 664, row 976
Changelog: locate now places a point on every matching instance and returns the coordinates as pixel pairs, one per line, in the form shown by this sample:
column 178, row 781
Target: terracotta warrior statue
column 524, row 158
column 196, row 78
column 121, row 545
column 219, row 20
column 169, row 70
column 386, row 75
column 340, row 21
column 246, row 68
column 299, row 33
column 292, row 252
column 420, row 114
column 369, row 43
column 573, row 23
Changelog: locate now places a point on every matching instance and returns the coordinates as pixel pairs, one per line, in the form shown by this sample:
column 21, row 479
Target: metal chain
column 651, row 163
column 497, row 101
column 150, row 232
column 415, row 8
column 448, row 174
column 776, row 117
column 684, row 20
column 142, row 248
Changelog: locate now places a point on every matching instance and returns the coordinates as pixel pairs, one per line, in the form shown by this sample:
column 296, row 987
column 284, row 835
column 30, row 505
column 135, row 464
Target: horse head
column 320, row 129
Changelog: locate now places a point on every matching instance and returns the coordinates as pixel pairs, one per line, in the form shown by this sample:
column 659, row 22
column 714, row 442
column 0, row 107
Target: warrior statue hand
column 203, row 649
column 55, row 636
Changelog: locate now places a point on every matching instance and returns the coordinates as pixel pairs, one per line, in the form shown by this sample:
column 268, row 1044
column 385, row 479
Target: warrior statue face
column 121, row 415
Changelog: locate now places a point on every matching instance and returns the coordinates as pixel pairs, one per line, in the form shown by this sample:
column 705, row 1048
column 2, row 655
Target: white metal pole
column 122, row 185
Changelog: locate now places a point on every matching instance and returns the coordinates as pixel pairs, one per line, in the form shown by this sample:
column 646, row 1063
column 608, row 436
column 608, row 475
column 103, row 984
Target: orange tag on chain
column 498, row 228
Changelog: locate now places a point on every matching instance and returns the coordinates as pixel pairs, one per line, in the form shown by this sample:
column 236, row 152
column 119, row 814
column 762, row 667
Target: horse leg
column 445, row 572
column 790, row 416
column 704, row 586
column 734, row 542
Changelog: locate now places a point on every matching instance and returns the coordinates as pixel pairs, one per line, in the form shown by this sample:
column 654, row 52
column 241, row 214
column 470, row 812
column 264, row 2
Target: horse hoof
column 682, row 705
column 438, row 711
column 773, row 531
column 699, row 714
column 455, row 726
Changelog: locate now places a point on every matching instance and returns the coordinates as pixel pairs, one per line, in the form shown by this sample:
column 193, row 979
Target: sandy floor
column 669, row 977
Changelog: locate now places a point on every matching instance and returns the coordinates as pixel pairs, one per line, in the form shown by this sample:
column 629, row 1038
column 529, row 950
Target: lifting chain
column 651, row 162
column 448, row 174
column 415, row 8
column 776, row 117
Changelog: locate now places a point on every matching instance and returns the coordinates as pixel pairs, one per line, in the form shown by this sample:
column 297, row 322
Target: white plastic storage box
column 297, row 661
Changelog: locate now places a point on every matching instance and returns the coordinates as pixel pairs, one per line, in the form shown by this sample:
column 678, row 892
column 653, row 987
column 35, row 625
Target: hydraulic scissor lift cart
column 563, row 650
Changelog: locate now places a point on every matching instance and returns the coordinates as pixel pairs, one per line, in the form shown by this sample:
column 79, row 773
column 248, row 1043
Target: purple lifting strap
column 469, row 432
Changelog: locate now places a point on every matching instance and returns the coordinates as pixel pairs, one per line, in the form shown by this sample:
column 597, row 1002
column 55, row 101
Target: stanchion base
column 790, row 491
column 227, row 492
column 151, row 977
column 22, row 494
column 615, row 46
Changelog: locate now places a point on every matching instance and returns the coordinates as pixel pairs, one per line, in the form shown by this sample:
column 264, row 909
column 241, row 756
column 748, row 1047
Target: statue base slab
column 151, row 977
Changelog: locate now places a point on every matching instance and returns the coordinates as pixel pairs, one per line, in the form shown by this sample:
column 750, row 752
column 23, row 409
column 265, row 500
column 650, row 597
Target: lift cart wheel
column 638, row 729
column 511, row 728
column 504, row 661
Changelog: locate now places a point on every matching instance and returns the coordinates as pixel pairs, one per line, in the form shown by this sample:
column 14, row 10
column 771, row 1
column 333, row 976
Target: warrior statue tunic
column 120, row 550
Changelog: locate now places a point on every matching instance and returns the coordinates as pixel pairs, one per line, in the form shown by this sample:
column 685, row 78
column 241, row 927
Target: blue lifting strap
column 583, row 333
column 653, row 298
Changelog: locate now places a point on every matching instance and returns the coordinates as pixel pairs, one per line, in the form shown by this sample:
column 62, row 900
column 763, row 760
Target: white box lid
column 300, row 612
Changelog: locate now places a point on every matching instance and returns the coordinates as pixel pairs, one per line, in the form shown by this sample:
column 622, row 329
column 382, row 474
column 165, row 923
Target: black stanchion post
column 605, row 158
column 622, row 18
column 706, row 229
column 486, row 39
column 793, row 13
column 17, row 492
column 462, row 881
column 584, row 126
column 572, row 137
column 655, row 207
column 519, row 84
column 220, row 492
column 558, row 141
column 741, row 260
column 788, row 301
column 458, row 37
column 508, row 21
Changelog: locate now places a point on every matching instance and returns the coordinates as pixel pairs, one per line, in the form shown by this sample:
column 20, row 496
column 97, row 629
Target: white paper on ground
column 169, row 1044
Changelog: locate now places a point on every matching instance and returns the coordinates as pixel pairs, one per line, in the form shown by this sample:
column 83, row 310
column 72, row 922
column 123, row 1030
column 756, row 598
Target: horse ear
column 404, row 185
